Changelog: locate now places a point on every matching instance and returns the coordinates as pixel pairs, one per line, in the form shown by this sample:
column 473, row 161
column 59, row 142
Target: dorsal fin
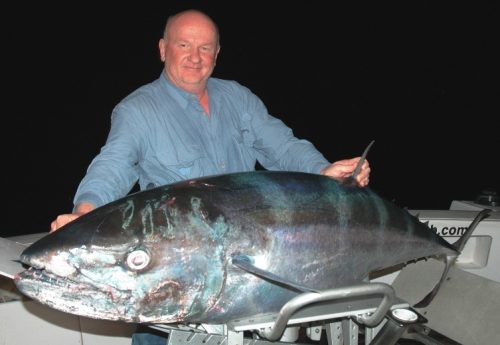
column 243, row 262
column 450, row 260
column 351, row 180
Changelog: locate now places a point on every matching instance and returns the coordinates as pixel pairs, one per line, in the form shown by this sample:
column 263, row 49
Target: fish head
column 115, row 264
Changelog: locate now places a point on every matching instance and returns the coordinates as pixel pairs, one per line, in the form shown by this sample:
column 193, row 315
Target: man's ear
column 161, row 47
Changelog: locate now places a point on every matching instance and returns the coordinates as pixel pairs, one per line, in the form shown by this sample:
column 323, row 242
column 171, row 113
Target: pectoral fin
column 245, row 263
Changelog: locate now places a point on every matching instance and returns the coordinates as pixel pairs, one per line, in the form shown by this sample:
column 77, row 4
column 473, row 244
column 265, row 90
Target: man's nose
column 195, row 55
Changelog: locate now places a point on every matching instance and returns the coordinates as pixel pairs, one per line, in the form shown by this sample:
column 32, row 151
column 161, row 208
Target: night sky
column 421, row 79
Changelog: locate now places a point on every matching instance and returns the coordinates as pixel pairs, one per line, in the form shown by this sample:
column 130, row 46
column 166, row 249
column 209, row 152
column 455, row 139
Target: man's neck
column 204, row 102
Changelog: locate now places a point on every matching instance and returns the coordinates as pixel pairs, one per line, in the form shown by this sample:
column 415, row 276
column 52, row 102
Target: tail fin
column 450, row 260
column 460, row 243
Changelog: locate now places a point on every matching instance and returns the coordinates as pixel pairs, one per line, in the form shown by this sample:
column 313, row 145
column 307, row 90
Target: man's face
column 189, row 52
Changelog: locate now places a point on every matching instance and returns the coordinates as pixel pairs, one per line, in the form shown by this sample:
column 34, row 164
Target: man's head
column 189, row 49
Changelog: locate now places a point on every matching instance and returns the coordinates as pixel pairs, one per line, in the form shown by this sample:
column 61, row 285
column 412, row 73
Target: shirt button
column 222, row 166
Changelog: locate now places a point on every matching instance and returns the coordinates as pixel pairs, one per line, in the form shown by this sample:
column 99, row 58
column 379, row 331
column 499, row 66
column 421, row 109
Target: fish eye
column 138, row 259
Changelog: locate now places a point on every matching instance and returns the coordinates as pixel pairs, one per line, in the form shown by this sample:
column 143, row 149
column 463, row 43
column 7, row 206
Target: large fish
column 215, row 249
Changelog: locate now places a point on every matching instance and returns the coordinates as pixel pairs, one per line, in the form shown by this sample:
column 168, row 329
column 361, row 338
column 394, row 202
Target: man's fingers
column 62, row 220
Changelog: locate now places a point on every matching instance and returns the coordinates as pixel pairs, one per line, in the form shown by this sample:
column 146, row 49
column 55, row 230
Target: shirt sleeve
column 113, row 172
column 275, row 145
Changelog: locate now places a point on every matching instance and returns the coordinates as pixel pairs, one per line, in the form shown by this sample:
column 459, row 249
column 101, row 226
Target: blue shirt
column 160, row 134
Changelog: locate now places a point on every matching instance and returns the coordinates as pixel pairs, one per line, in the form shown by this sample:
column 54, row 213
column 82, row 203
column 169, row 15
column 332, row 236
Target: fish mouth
column 31, row 281
column 63, row 275
column 40, row 276
column 74, row 297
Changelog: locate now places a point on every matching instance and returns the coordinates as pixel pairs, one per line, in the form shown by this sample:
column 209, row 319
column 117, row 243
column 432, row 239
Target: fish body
column 165, row 255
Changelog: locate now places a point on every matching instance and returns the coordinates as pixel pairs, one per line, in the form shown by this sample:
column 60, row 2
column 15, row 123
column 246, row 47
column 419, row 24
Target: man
column 187, row 124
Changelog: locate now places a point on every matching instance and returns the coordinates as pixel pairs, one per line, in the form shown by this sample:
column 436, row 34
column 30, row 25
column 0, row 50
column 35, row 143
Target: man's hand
column 340, row 170
column 64, row 219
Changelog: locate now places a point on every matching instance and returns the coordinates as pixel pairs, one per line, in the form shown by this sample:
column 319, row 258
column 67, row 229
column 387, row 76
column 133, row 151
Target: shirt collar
column 184, row 98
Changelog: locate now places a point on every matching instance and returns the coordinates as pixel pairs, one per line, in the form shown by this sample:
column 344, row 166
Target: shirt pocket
column 243, row 132
column 183, row 162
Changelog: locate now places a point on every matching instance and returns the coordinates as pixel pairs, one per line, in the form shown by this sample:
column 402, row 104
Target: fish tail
column 460, row 243
column 450, row 259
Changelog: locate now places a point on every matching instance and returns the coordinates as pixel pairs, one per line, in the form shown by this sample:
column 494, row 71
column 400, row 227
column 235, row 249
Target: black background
column 420, row 78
